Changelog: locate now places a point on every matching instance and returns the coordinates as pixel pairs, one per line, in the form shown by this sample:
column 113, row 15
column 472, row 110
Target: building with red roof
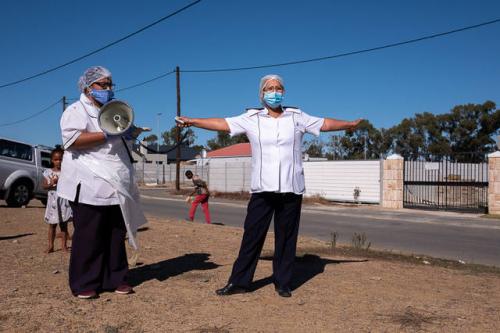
column 236, row 150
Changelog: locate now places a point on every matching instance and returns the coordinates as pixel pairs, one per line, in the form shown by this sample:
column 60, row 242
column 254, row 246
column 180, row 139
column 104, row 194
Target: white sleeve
column 73, row 122
column 237, row 125
column 312, row 124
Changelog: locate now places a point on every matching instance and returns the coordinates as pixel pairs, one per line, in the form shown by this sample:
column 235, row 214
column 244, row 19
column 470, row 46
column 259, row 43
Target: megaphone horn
column 115, row 117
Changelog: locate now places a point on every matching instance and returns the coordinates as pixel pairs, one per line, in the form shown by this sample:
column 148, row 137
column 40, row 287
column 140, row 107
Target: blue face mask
column 102, row 96
column 273, row 99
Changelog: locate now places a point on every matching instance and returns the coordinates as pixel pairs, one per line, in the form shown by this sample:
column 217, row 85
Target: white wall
column 336, row 180
column 228, row 176
column 333, row 180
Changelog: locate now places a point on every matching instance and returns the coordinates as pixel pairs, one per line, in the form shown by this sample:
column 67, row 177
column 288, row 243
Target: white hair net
column 91, row 75
column 264, row 81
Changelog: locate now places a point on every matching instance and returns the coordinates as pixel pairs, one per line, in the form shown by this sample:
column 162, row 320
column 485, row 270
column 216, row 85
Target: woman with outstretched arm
column 275, row 133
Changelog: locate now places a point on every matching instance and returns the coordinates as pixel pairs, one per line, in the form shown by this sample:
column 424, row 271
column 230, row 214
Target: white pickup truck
column 21, row 172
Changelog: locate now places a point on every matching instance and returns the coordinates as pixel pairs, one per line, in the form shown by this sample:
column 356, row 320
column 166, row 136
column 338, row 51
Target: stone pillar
column 494, row 183
column 392, row 182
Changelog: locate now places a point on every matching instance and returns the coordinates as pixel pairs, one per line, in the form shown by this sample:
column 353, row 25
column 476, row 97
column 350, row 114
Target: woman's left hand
column 355, row 123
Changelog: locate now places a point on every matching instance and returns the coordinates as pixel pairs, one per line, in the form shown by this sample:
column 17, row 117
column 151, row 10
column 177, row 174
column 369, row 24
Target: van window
column 46, row 159
column 16, row 150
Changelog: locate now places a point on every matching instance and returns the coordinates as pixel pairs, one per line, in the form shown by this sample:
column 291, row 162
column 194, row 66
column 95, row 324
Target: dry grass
column 180, row 265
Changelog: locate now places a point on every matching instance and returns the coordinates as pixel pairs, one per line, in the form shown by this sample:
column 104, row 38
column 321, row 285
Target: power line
column 33, row 115
column 134, row 85
column 280, row 64
column 147, row 81
column 101, row 48
column 296, row 62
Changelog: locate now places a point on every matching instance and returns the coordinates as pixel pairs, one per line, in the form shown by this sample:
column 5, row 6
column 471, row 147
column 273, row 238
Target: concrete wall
column 494, row 183
column 392, row 182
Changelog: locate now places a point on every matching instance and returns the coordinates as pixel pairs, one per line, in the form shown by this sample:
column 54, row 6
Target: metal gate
column 451, row 183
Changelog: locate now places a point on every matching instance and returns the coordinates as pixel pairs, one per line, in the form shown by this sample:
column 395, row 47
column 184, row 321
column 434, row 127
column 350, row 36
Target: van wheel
column 20, row 194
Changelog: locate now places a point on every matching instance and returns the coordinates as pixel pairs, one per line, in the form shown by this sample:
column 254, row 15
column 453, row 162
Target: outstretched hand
column 355, row 123
column 183, row 121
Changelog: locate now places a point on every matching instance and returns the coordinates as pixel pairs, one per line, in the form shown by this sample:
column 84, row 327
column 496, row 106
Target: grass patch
column 491, row 216
column 352, row 251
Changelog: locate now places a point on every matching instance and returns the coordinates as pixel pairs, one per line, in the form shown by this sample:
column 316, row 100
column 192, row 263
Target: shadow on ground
column 15, row 236
column 305, row 268
column 165, row 269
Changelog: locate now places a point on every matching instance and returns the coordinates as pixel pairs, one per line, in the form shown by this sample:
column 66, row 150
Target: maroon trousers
column 203, row 199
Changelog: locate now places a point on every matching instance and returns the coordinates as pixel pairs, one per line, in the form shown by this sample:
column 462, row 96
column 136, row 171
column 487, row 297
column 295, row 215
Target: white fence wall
column 333, row 180
column 230, row 176
column 337, row 180
column 147, row 173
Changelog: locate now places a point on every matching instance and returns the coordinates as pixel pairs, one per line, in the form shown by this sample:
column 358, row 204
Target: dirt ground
column 181, row 264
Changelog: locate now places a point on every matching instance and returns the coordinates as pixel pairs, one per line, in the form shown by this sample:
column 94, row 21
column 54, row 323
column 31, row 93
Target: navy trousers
column 98, row 256
column 262, row 206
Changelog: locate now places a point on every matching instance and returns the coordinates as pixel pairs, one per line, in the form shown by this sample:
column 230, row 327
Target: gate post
column 494, row 183
column 392, row 182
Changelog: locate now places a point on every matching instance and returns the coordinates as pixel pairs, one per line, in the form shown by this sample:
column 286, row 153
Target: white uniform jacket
column 104, row 173
column 276, row 147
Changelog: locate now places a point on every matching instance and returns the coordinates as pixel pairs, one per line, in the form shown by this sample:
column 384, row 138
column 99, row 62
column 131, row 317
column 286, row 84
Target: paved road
column 454, row 236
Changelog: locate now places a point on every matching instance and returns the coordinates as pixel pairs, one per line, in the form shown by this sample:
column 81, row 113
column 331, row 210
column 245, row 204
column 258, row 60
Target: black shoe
column 283, row 292
column 230, row 289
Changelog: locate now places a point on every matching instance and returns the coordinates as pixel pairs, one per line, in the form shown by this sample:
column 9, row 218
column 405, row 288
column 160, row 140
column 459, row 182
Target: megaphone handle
column 128, row 151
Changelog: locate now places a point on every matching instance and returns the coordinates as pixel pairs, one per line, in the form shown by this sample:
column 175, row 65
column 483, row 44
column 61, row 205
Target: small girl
column 58, row 210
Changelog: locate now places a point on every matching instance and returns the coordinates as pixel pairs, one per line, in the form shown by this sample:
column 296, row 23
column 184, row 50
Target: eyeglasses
column 105, row 85
column 273, row 89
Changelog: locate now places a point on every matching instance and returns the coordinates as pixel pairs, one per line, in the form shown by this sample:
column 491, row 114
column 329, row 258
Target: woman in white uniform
column 275, row 133
column 96, row 176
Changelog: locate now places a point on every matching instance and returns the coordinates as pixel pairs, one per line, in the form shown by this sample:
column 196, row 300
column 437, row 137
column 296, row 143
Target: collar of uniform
column 90, row 108
column 265, row 111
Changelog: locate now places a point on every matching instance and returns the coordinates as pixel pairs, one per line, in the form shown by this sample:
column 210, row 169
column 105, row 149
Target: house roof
column 237, row 150
column 187, row 153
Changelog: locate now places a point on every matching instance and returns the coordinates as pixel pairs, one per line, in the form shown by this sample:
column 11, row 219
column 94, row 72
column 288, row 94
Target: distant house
column 166, row 154
column 240, row 152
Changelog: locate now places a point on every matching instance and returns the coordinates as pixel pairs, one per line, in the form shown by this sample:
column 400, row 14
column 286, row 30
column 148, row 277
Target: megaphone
column 115, row 117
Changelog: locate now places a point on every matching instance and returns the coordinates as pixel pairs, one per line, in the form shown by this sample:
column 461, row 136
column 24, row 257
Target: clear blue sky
column 383, row 86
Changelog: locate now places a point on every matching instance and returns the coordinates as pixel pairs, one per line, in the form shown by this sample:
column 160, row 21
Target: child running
column 202, row 195
column 58, row 210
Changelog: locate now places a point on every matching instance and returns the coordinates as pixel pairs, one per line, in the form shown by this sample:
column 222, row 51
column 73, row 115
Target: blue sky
column 383, row 86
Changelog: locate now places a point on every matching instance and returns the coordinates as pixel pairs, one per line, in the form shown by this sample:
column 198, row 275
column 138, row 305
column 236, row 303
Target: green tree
column 223, row 139
column 170, row 137
column 471, row 128
column 365, row 141
column 314, row 148
column 150, row 139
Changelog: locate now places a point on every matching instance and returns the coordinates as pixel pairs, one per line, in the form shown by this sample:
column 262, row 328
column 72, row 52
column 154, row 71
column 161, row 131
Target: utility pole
column 158, row 155
column 64, row 103
column 178, row 150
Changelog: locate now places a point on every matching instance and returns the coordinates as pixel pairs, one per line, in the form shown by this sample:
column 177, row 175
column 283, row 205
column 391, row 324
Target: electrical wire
column 296, row 62
column 32, row 116
column 145, row 82
column 285, row 63
column 99, row 49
